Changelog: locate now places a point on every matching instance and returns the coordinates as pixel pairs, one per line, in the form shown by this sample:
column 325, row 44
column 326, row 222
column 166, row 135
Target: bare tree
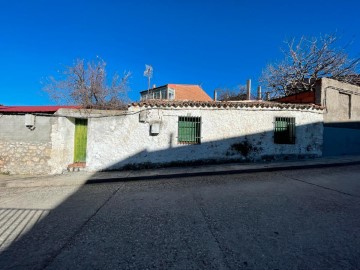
column 227, row 94
column 306, row 61
column 86, row 85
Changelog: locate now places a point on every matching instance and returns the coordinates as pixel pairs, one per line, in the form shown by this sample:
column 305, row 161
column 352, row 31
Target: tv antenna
column 148, row 73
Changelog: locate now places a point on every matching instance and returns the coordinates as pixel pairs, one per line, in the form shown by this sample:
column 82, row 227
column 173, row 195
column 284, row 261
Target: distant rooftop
column 189, row 92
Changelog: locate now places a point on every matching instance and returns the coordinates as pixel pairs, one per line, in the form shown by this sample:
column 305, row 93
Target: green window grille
column 284, row 130
column 189, row 130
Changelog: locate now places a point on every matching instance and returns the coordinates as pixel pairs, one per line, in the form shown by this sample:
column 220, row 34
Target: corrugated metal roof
column 301, row 97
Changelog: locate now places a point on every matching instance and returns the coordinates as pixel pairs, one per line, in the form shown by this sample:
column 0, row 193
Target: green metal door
column 80, row 140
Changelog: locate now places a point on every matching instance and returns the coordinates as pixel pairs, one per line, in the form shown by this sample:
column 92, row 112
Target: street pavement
column 87, row 177
column 304, row 218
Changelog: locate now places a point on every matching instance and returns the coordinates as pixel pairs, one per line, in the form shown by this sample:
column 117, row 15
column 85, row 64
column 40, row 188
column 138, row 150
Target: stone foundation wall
column 25, row 157
column 47, row 148
column 24, row 150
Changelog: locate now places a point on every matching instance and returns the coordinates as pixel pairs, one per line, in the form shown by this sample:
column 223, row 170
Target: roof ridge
column 184, row 84
column 233, row 104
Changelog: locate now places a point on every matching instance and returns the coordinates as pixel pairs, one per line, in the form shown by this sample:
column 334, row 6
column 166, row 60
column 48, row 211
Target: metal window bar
column 189, row 130
column 284, row 130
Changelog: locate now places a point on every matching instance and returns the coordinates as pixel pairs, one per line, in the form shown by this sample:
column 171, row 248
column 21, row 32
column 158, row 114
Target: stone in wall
column 24, row 158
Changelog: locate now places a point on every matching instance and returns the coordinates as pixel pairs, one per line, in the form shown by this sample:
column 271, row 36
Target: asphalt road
column 303, row 219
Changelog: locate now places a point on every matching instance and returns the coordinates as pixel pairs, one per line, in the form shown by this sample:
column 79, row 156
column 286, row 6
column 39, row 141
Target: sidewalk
column 81, row 178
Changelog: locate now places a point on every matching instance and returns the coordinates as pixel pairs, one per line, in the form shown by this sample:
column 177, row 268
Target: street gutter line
column 49, row 261
column 203, row 213
column 320, row 186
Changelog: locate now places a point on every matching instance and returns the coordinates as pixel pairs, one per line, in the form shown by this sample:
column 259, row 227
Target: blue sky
column 212, row 43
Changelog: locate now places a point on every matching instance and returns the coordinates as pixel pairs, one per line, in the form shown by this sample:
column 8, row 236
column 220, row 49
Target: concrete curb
column 86, row 178
column 218, row 172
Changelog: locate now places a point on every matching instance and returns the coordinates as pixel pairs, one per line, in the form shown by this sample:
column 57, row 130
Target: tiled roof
column 189, row 92
column 225, row 104
column 185, row 92
column 33, row 109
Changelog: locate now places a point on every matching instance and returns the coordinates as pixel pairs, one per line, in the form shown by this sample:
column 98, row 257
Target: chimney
column 154, row 86
column 215, row 95
column 248, row 89
column 259, row 93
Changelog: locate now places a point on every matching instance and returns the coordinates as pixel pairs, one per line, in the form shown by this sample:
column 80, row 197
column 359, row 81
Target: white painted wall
column 114, row 142
column 62, row 144
column 13, row 129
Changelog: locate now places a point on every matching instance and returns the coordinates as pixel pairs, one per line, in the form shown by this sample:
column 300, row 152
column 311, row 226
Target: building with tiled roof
column 188, row 92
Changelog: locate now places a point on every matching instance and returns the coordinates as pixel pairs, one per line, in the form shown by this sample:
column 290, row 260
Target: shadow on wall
column 341, row 138
column 55, row 233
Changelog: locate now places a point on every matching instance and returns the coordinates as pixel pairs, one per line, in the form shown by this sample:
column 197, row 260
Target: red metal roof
column 33, row 109
column 302, row 97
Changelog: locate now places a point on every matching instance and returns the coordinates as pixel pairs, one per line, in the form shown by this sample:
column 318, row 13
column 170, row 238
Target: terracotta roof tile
column 189, row 92
column 185, row 92
column 225, row 104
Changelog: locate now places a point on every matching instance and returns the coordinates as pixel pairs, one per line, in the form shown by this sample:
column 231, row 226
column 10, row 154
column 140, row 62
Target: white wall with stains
column 125, row 142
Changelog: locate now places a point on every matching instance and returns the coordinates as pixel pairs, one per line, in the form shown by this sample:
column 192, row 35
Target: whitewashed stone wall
column 234, row 134
column 122, row 141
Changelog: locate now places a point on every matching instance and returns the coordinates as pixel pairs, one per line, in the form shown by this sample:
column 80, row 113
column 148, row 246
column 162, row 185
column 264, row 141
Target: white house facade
column 160, row 133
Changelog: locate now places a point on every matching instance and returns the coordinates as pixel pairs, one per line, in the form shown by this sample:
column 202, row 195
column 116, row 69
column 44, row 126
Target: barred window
column 189, row 130
column 284, row 130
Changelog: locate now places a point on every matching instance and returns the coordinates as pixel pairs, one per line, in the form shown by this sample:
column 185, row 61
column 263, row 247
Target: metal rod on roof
column 248, row 89
column 148, row 73
column 259, row 93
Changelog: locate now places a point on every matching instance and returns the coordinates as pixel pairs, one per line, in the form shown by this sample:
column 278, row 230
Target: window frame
column 170, row 94
column 284, row 130
column 189, row 130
